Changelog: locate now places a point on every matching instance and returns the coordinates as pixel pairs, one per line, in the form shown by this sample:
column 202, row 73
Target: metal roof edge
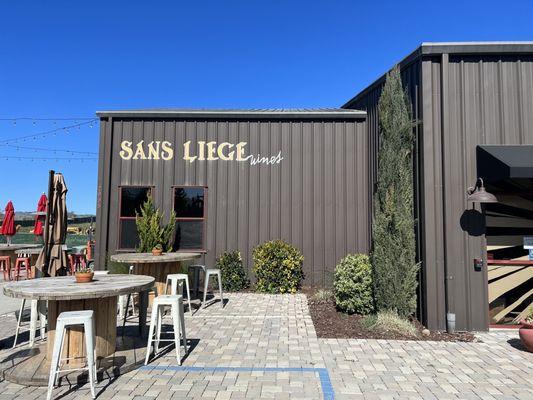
column 411, row 57
column 438, row 48
column 429, row 48
column 235, row 114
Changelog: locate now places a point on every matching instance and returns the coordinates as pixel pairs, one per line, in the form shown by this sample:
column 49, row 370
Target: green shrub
column 278, row 267
column 323, row 295
column 389, row 321
column 233, row 275
column 151, row 230
column 352, row 284
column 115, row 267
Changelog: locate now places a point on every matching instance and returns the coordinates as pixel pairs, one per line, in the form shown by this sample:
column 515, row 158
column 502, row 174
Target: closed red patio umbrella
column 41, row 216
column 8, row 224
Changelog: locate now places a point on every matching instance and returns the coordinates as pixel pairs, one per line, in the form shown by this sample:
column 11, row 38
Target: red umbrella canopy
column 8, row 225
column 39, row 219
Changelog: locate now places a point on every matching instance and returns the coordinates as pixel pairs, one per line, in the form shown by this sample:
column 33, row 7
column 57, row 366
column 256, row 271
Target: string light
column 46, row 119
column 72, row 152
column 69, row 159
column 35, row 136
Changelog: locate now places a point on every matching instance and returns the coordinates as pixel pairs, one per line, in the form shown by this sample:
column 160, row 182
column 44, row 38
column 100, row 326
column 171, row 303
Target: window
column 131, row 201
column 189, row 206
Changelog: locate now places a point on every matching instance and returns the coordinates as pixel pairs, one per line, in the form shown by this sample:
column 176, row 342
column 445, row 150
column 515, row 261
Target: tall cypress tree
column 393, row 256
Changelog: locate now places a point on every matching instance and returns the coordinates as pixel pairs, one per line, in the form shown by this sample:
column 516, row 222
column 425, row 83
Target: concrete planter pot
column 526, row 335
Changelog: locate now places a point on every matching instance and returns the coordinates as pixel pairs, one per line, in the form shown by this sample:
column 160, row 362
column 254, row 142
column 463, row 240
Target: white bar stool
column 65, row 320
column 208, row 272
column 178, row 320
column 174, row 279
column 37, row 310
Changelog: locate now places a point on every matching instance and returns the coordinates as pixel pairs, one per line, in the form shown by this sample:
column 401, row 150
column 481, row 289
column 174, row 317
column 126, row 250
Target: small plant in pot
column 154, row 234
column 84, row 275
column 157, row 250
column 526, row 331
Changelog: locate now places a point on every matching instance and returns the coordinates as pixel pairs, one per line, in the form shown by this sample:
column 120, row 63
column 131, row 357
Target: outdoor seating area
column 265, row 346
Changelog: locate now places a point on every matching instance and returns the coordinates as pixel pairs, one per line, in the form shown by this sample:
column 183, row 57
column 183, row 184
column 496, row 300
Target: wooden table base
column 105, row 315
column 29, row 367
column 159, row 271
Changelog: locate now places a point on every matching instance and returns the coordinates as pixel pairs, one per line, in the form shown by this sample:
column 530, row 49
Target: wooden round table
column 64, row 294
column 157, row 266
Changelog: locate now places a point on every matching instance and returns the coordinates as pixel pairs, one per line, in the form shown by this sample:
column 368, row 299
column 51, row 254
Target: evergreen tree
column 151, row 230
column 393, row 257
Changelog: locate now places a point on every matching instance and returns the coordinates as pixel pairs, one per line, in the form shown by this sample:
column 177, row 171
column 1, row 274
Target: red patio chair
column 23, row 263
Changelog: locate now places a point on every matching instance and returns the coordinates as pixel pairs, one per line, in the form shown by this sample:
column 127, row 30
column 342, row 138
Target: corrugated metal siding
column 489, row 100
column 317, row 198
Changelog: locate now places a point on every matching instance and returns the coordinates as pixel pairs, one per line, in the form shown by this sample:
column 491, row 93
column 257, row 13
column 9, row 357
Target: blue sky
column 67, row 59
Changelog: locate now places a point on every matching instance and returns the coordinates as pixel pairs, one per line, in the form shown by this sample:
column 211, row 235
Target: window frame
column 120, row 218
column 203, row 249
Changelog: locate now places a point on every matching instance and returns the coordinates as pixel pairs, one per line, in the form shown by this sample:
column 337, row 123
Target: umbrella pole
column 47, row 222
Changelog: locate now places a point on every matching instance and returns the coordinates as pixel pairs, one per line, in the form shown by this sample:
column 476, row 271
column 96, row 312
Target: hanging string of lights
column 33, row 119
column 18, row 147
column 40, row 135
column 69, row 159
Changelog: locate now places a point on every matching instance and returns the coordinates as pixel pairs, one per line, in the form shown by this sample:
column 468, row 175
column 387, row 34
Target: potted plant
column 84, row 275
column 526, row 331
column 154, row 234
column 157, row 250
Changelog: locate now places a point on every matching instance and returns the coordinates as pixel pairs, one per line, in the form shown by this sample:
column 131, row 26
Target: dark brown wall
column 462, row 101
column 316, row 198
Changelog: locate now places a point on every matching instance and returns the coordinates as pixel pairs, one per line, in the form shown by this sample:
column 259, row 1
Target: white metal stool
column 174, row 279
column 208, row 272
column 65, row 320
column 178, row 320
column 36, row 311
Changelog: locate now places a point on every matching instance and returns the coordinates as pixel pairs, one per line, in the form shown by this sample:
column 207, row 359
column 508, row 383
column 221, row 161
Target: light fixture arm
column 472, row 189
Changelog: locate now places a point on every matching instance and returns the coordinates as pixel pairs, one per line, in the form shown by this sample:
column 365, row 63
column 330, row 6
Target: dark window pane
column 129, row 238
column 189, row 202
column 189, row 235
column 132, row 200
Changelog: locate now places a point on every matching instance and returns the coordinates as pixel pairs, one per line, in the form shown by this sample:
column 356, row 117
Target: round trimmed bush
column 233, row 274
column 278, row 267
column 352, row 284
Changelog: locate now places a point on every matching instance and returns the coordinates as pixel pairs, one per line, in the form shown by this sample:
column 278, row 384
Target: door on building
column 508, row 174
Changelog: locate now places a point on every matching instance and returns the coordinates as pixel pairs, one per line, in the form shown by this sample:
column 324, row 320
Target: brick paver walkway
column 262, row 346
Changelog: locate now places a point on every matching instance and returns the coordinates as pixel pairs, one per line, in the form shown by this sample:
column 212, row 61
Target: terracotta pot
column 526, row 335
column 157, row 252
column 84, row 277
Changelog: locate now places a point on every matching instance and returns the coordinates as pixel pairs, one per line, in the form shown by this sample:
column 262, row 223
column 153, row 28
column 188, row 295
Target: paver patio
column 262, row 346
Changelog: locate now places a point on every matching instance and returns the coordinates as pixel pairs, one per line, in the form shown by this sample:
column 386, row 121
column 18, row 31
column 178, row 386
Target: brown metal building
column 463, row 95
column 310, row 186
column 307, row 176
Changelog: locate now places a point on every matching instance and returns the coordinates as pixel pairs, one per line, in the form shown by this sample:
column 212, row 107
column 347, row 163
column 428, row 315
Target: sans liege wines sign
column 200, row 151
